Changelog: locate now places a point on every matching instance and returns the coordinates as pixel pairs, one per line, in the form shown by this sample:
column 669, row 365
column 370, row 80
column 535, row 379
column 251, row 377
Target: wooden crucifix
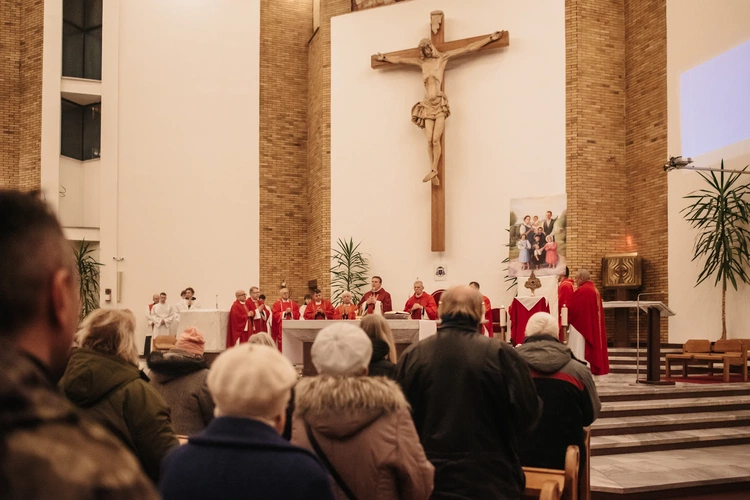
column 431, row 56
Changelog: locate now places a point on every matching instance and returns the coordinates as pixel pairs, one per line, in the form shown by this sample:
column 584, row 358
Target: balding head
column 462, row 303
column 240, row 294
column 582, row 276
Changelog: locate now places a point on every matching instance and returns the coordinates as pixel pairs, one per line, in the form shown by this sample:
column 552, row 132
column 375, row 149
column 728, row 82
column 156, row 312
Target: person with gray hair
column 472, row 401
column 241, row 453
column 103, row 380
column 359, row 426
column 47, row 448
column 567, row 390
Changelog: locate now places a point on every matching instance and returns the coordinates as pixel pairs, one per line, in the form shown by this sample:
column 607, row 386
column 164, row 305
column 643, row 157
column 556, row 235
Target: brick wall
column 285, row 28
column 10, row 91
column 616, row 136
column 319, row 145
column 646, row 139
column 21, row 40
column 30, row 142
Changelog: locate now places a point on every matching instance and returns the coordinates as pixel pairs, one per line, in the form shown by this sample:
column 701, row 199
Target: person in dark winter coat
column 241, row 453
column 567, row 390
column 103, row 379
column 472, row 400
column 48, row 449
column 384, row 358
column 180, row 377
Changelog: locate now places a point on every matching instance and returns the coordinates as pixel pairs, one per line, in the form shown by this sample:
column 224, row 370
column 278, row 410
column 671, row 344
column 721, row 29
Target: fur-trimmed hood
column 174, row 364
column 339, row 407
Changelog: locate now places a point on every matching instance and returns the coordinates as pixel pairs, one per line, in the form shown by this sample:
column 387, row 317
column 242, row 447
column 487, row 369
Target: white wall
column 698, row 31
column 180, row 99
column 505, row 138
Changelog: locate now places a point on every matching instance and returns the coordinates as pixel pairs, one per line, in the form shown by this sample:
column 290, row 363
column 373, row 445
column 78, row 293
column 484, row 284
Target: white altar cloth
column 211, row 323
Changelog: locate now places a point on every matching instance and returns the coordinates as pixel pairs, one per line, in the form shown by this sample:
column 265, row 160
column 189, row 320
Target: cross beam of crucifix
column 431, row 57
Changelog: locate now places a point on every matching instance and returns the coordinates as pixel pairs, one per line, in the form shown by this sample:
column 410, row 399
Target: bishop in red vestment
column 564, row 294
column 421, row 302
column 319, row 308
column 282, row 309
column 487, row 325
column 240, row 320
column 346, row 310
column 586, row 315
column 376, row 294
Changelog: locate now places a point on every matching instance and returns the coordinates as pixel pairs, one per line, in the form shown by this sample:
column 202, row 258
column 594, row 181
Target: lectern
column 655, row 311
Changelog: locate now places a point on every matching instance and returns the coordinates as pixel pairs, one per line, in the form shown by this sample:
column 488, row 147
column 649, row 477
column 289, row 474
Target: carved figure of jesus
column 431, row 112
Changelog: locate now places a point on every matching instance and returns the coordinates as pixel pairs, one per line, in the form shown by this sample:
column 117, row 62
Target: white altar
column 298, row 334
column 211, row 323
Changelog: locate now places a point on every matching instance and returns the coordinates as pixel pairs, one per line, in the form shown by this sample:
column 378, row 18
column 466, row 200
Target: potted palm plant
column 721, row 214
column 349, row 271
column 88, row 278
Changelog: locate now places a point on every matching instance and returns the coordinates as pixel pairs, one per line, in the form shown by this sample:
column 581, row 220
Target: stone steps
column 662, row 423
column 669, row 440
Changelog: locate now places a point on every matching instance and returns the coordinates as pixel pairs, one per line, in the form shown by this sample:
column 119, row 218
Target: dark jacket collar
column 540, row 337
column 464, row 325
column 234, row 432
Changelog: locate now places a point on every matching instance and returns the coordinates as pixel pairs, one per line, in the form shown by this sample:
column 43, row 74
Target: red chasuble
column 260, row 320
column 324, row 310
column 564, row 293
column 586, row 314
column 427, row 303
column 381, row 295
column 238, row 319
column 345, row 312
column 488, row 317
column 278, row 312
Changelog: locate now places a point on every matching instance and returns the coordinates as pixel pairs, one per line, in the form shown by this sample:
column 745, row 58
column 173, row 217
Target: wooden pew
column 728, row 352
column 689, row 350
column 553, row 484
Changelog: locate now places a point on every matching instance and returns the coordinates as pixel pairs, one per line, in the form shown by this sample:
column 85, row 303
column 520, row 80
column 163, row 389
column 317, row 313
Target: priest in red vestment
column 240, row 320
column 371, row 298
column 319, row 308
column 346, row 310
column 586, row 318
column 260, row 319
column 421, row 305
column 564, row 293
column 282, row 309
column 487, row 312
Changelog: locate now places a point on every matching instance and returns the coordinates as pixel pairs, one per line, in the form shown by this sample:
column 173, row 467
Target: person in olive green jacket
column 102, row 378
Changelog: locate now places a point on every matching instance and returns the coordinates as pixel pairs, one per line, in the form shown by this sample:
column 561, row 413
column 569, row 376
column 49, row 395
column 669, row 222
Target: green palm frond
column 88, row 278
column 721, row 215
column 349, row 271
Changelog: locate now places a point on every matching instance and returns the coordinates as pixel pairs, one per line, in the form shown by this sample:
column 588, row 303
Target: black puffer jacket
column 379, row 366
column 571, row 402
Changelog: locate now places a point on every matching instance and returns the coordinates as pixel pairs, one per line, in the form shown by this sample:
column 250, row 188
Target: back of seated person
column 241, row 454
column 567, row 389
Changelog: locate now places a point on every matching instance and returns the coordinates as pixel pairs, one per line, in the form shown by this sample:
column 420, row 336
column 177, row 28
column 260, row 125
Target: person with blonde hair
column 472, row 400
column 180, row 376
column 384, row 357
column 359, row 426
column 241, row 453
column 262, row 338
column 103, row 379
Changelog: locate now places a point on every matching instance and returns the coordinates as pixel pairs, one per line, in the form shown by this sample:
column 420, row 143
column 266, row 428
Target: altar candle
column 564, row 315
column 503, row 317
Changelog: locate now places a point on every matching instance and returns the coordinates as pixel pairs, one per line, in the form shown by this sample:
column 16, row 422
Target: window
column 82, row 39
column 80, row 130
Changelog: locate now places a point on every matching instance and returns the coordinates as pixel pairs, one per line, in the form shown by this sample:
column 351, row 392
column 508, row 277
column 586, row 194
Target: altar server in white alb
column 162, row 316
column 189, row 302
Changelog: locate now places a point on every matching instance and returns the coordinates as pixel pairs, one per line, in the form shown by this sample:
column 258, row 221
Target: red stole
column 349, row 311
column 488, row 317
column 312, row 313
column 564, row 293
